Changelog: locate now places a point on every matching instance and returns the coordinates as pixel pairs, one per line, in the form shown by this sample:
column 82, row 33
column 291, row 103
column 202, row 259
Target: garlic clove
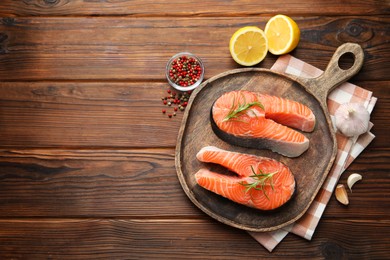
column 352, row 119
column 352, row 179
column 341, row 194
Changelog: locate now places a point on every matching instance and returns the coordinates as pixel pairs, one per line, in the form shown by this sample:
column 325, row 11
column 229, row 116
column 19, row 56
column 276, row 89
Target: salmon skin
column 261, row 121
column 261, row 183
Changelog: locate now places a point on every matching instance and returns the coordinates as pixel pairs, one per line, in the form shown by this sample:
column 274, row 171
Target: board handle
column 333, row 75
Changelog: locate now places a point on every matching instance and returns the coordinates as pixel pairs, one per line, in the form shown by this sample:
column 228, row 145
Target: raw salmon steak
column 261, row 183
column 262, row 121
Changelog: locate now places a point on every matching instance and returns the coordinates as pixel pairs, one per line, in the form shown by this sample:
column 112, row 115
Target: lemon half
column 282, row 34
column 248, row 46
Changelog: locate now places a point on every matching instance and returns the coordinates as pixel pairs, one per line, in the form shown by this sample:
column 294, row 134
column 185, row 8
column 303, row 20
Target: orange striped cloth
column 348, row 150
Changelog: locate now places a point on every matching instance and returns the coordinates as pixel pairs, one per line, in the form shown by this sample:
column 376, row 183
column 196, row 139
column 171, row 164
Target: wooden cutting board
column 310, row 169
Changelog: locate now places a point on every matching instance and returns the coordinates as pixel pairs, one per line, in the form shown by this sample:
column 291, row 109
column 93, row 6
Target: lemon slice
column 282, row 33
column 248, row 45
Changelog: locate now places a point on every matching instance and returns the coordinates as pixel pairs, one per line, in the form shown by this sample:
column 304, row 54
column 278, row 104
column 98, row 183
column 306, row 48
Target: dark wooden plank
column 91, row 182
column 52, row 114
column 188, row 8
column 141, row 182
column 186, row 238
column 129, row 48
column 97, row 115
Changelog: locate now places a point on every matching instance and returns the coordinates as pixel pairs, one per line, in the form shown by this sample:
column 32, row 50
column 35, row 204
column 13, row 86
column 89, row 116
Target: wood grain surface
column 87, row 159
column 55, row 48
column 166, row 238
column 185, row 8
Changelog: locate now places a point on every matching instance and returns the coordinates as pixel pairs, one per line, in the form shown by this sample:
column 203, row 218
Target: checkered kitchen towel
column 348, row 150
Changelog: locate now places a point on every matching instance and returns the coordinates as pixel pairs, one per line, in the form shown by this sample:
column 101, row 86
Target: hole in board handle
column 346, row 61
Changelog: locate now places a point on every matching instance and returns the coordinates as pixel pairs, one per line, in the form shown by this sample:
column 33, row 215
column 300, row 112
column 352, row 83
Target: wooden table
column 87, row 158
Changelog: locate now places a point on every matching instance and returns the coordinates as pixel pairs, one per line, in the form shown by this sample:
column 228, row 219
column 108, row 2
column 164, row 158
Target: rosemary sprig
column 234, row 113
column 260, row 182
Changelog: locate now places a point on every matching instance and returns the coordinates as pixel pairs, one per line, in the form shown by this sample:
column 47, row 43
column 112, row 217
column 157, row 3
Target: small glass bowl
column 169, row 66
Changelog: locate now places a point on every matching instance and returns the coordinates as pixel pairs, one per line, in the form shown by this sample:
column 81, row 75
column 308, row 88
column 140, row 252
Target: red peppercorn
column 164, row 111
column 165, row 102
column 175, row 108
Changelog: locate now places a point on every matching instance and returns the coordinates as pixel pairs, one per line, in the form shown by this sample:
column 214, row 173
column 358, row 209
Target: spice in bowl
column 184, row 71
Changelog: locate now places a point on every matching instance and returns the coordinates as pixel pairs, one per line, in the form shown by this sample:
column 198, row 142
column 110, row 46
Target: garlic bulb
column 352, row 119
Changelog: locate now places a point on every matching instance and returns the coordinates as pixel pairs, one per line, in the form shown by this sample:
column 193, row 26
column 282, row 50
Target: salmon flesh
column 261, row 183
column 261, row 121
